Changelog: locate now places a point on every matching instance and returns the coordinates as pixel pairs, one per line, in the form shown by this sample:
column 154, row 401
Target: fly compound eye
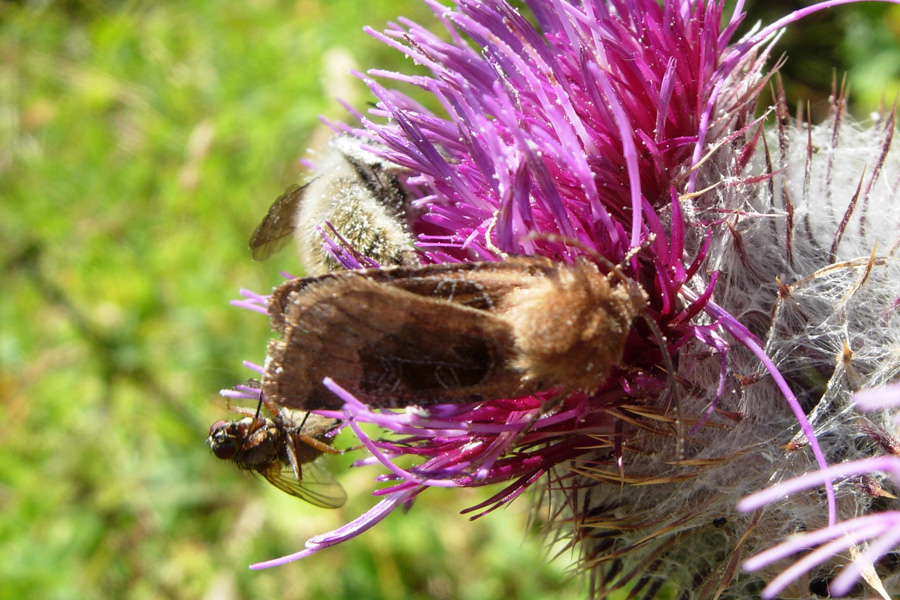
column 217, row 427
column 223, row 445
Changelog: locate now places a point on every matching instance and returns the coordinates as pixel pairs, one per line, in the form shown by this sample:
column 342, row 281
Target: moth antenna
column 613, row 268
column 715, row 148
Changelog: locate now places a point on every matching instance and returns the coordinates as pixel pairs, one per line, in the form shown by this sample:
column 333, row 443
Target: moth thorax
column 570, row 329
column 306, row 453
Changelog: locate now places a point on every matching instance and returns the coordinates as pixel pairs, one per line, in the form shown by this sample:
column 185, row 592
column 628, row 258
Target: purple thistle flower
column 624, row 132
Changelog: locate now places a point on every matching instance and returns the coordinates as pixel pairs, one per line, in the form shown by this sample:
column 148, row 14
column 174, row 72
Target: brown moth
column 448, row 333
column 282, row 451
column 358, row 193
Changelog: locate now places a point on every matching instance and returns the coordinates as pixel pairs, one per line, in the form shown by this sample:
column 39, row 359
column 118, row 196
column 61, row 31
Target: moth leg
column 263, row 401
column 675, row 402
column 547, row 406
column 634, row 251
column 292, row 458
column 487, row 239
column 320, row 446
column 241, row 410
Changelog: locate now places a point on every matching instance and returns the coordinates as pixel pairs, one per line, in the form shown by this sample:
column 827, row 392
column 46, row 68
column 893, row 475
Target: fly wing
column 316, row 486
column 274, row 232
column 387, row 346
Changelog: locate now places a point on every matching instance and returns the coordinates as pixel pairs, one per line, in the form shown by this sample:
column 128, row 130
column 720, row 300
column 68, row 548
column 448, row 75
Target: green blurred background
column 141, row 144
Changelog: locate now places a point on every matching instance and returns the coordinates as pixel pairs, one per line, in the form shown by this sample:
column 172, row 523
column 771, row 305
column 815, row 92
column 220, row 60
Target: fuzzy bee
column 354, row 191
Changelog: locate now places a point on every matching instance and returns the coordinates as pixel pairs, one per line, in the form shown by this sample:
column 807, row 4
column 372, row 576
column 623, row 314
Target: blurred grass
column 141, row 143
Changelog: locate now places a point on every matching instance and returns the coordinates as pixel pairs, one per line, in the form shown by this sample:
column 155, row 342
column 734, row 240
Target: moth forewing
column 387, row 346
column 448, row 333
column 480, row 285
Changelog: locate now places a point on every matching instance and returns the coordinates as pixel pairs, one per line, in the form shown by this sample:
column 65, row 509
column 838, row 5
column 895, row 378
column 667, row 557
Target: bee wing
column 274, row 232
column 317, row 485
